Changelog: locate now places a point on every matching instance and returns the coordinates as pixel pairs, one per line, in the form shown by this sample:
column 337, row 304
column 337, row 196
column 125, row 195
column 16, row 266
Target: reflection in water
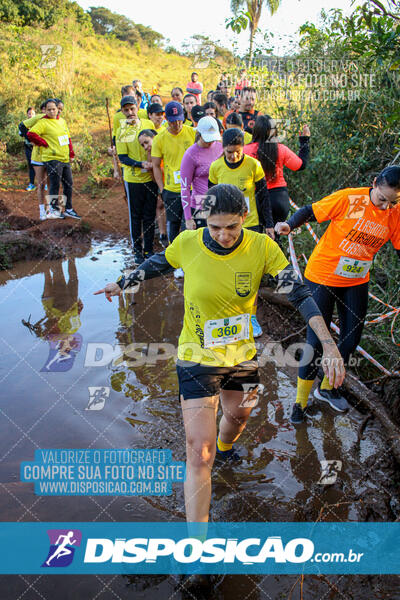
column 61, row 321
column 276, row 481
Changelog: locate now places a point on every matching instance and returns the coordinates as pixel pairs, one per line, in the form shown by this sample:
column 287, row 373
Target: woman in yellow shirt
column 235, row 167
column 52, row 134
column 216, row 351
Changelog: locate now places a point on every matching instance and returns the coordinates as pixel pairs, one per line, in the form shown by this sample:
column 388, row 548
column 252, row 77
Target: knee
column 200, row 452
column 238, row 420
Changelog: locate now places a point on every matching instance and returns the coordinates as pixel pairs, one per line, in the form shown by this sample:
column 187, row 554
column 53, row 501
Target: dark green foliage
column 106, row 22
column 43, row 12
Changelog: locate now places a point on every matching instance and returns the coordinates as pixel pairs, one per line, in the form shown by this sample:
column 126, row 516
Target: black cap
column 128, row 100
column 197, row 113
column 155, row 108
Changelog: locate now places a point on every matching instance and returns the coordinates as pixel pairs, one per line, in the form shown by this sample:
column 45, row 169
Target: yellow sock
column 325, row 385
column 222, row 446
column 303, row 391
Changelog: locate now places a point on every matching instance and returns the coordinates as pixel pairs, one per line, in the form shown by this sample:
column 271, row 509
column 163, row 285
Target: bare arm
column 332, row 362
column 157, row 172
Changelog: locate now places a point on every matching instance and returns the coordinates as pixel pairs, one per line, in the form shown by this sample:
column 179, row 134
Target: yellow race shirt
column 217, row 328
column 163, row 126
column 119, row 116
column 56, row 134
column 244, row 177
column 142, row 113
column 36, row 150
column 127, row 142
column 248, row 138
column 171, row 148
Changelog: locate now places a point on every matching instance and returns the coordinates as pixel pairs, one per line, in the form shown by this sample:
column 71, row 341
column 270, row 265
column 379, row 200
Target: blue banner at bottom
column 249, row 548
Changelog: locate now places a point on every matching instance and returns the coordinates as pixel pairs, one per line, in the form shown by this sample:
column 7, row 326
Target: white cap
column 208, row 129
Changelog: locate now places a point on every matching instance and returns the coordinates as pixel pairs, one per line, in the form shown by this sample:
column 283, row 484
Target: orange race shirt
column 357, row 230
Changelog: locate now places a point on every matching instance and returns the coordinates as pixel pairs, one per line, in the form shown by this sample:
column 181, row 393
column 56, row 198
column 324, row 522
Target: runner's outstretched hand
column 111, row 289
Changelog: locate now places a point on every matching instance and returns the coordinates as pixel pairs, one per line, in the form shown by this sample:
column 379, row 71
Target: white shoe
column 53, row 213
column 178, row 273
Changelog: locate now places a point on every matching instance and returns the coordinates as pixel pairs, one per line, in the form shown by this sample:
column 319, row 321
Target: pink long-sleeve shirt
column 195, row 166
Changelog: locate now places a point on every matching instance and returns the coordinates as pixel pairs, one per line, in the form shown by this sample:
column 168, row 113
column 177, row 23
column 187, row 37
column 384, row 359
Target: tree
column 43, row 12
column 106, row 22
column 149, row 36
column 253, row 10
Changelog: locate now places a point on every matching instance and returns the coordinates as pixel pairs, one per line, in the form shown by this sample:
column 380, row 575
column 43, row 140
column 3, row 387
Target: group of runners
column 211, row 176
column 226, row 204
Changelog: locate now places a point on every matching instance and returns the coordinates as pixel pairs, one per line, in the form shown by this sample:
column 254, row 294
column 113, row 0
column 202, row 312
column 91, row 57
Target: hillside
column 88, row 69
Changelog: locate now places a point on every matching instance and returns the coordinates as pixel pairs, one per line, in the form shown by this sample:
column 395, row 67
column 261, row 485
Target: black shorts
column 199, row 381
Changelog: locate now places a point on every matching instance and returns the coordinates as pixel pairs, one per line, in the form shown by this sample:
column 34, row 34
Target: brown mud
column 24, row 237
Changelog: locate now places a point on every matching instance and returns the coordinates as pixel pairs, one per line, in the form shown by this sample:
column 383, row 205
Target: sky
column 178, row 21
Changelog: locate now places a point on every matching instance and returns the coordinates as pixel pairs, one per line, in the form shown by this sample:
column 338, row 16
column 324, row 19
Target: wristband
column 121, row 281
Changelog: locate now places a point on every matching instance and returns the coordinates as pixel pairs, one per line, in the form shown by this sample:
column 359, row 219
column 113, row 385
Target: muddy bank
column 24, row 237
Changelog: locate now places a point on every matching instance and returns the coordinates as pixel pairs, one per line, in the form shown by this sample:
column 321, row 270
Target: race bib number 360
column 350, row 267
column 220, row 332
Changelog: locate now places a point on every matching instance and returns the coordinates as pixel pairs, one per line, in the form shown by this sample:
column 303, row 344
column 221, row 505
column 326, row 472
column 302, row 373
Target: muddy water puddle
column 79, row 372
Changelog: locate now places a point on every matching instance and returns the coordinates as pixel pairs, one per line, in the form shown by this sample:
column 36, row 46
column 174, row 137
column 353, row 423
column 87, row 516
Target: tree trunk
column 251, row 51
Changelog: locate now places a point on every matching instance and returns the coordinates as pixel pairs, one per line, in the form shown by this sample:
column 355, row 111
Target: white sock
column 42, row 211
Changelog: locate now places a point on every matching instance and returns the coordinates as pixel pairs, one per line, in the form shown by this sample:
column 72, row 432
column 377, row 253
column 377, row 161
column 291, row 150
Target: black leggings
column 352, row 304
column 142, row 213
column 59, row 171
column 174, row 213
column 279, row 199
column 28, row 154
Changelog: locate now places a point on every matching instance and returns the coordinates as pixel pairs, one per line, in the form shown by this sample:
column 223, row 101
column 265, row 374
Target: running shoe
column 148, row 254
column 298, row 414
column 333, row 398
column 257, row 331
column 31, row 187
column 70, row 212
column 54, row 213
column 178, row 274
column 138, row 258
column 227, row 455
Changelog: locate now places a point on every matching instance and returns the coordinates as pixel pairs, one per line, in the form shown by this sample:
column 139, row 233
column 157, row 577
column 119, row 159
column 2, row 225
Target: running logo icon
column 50, row 54
column 62, row 547
column 329, row 471
column 62, row 352
column 97, row 397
